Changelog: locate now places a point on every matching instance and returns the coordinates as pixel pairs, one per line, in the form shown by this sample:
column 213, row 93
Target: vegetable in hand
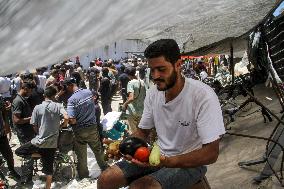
column 155, row 154
column 113, row 148
column 129, row 145
column 142, row 154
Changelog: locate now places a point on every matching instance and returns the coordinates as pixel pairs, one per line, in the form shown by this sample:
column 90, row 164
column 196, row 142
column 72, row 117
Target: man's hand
column 7, row 105
column 163, row 161
column 124, row 107
column 72, row 121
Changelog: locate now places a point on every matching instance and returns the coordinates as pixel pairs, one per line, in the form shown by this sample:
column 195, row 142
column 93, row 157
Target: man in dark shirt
column 105, row 91
column 123, row 81
column 22, row 112
column 66, row 137
column 93, row 76
column 36, row 96
column 98, row 114
column 142, row 71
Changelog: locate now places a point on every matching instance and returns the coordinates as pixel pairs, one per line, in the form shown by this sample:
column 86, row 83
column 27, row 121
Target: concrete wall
column 116, row 51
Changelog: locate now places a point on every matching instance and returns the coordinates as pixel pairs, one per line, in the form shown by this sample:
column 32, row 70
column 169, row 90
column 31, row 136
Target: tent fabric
column 40, row 33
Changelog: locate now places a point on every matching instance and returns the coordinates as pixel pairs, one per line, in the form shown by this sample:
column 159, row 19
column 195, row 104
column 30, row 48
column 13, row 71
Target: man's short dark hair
column 50, row 92
column 28, row 84
column 130, row 71
column 54, row 71
column 163, row 47
column 105, row 71
column 26, row 76
column 122, row 68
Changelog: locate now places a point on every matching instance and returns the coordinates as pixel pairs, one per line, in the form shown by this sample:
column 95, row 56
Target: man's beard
column 170, row 83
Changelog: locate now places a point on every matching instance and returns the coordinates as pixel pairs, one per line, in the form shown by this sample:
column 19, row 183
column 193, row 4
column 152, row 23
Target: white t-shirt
column 191, row 119
column 42, row 81
column 16, row 84
column 5, row 84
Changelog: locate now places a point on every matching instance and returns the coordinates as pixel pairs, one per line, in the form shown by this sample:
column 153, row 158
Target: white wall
column 116, row 51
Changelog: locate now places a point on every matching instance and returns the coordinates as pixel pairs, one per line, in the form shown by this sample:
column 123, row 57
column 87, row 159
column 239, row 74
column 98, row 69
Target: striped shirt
column 81, row 106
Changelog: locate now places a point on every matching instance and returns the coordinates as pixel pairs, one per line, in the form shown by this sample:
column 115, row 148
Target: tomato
column 142, row 154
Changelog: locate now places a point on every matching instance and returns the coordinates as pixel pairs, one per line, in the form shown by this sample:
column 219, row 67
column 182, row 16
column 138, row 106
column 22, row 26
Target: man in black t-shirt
column 142, row 71
column 22, row 112
column 36, row 97
column 123, row 81
column 93, row 76
column 105, row 91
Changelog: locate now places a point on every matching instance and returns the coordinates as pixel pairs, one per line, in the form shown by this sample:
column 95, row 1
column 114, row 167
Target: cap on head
column 69, row 81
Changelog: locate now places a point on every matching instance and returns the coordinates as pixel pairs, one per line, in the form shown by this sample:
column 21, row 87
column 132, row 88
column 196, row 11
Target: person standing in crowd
column 41, row 78
column 123, row 81
column 5, row 84
column 98, row 114
column 148, row 78
column 79, row 69
column 80, row 82
column 94, row 78
column 36, row 97
column 16, row 85
column 5, row 130
column 112, row 76
column 105, row 91
column 142, row 71
column 53, row 78
column 21, row 114
column 46, row 121
column 135, row 102
column 66, row 136
column 188, row 119
column 81, row 111
column 8, row 95
column 69, row 69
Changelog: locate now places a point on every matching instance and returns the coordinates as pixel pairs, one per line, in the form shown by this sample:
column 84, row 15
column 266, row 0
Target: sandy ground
column 225, row 173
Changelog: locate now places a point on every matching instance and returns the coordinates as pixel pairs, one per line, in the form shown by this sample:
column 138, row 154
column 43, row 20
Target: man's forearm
column 5, row 116
column 141, row 133
column 23, row 120
column 128, row 102
column 129, row 99
column 208, row 154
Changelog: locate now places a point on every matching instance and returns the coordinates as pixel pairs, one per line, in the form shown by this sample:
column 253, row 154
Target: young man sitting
column 46, row 121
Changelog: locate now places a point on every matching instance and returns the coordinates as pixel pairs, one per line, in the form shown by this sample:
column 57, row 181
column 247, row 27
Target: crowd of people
column 185, row 114
column 37, row 104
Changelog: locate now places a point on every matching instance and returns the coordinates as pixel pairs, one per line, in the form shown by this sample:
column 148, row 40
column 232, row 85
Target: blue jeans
column 169, row 178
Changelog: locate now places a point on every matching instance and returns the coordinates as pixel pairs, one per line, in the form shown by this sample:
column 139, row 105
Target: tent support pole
column 232, row 62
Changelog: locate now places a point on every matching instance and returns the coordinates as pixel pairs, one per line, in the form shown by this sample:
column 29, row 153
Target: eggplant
column 130, row 144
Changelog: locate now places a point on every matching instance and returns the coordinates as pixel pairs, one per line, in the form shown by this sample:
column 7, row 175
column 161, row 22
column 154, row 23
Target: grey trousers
column 90, row 136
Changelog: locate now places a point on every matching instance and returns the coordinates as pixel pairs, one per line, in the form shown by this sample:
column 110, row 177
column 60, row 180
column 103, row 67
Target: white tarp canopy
column 40, row 33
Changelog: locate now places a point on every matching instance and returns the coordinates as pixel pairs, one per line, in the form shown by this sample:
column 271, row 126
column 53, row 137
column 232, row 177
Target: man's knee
column 112, row 177
column 145, row 182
